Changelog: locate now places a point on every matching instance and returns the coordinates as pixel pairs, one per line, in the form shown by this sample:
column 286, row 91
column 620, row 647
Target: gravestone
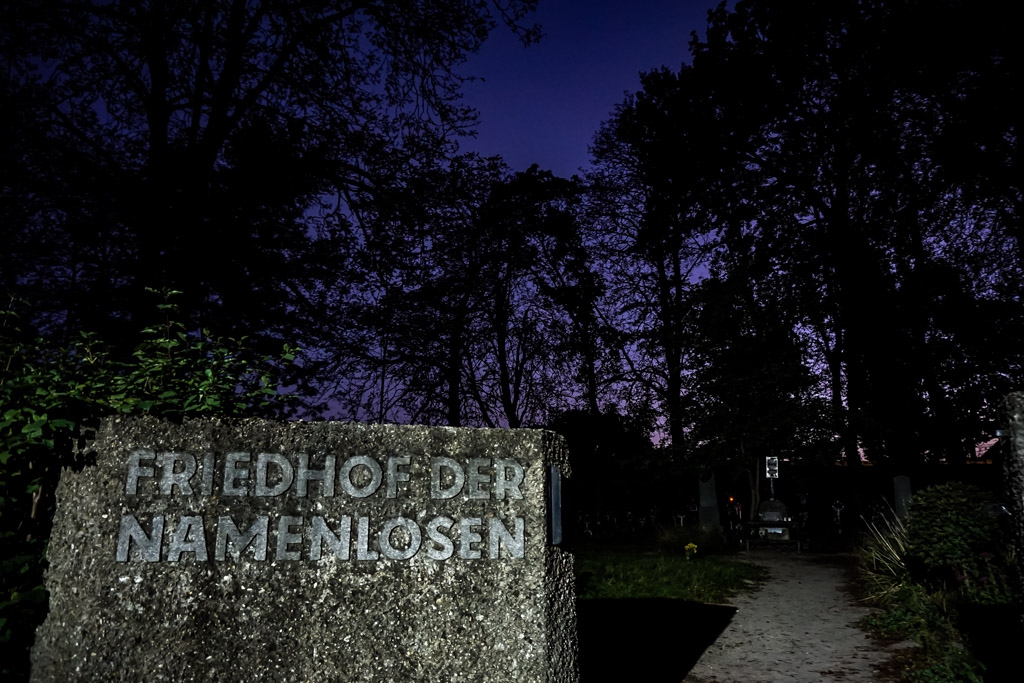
column 709, row 516
column 901, row 496
column 248, row 550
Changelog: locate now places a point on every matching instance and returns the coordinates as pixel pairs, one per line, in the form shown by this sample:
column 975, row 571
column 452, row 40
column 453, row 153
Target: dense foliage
column 935, row 575
column 51, row 399
column 955, row 540
column 805, row 242
column 808, row 161
column 217, row 147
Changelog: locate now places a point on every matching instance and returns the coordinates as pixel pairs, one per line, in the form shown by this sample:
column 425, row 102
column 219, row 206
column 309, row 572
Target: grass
column 629, row 572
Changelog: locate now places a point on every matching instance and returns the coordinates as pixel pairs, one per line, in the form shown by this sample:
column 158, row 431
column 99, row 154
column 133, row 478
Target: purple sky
column 543, row 104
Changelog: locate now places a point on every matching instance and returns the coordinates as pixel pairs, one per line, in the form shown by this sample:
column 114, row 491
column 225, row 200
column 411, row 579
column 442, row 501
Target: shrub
column 950, row 551
column 50, row 400
column 952, row 540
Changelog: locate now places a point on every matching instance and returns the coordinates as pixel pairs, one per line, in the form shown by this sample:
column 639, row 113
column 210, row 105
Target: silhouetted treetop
column 196, row 144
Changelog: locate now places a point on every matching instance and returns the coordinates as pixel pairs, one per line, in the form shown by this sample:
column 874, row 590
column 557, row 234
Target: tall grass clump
column 883, row 555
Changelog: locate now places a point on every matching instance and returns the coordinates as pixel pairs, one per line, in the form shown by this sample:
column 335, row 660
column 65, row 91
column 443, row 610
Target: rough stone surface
column 290, row 617
column 1014, row 411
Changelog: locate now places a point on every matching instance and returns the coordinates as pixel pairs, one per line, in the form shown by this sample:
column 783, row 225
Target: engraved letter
column 345, row 476
column 137, row 470
column 207, row 478
column 339, row 544
column 363, row 539
column 503, row 485
column 285, row 480
column 305, row 475
column 467, row 537
column 189, row 537
column 435, row 535
column 148, row 545
column 255, row 537
column 169, row 478
column 384, row 539
column 234, row 477
column 286, row 537
column 437, row 489
column 477, row 478
column 395, row 475
column 498, row 535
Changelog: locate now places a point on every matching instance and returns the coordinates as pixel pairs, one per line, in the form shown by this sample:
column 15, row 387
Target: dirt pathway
column 800, row 627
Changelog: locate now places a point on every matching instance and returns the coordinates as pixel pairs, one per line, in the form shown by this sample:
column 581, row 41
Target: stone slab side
column 1014, row 465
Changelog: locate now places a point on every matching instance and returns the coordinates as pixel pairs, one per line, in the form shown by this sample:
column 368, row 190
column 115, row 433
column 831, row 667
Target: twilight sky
column 543, row 104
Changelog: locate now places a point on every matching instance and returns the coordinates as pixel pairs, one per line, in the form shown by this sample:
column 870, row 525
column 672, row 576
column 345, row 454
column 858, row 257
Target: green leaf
column 36, row 426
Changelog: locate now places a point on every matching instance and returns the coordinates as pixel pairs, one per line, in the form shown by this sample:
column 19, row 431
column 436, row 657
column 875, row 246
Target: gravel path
column 800, row 627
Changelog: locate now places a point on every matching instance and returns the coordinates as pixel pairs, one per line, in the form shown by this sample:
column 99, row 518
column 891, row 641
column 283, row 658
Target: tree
column 750, row 394
column 855, row 206
column 478, row 296
column 808, row 149
column 668, row 168
column 194, row 145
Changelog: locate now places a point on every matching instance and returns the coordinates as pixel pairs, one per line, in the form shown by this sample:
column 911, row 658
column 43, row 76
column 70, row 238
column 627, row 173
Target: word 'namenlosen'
column 398, row 538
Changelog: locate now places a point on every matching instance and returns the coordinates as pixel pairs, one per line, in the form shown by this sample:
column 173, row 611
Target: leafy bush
column 954, row 542
column 51, row 398
column 950, row 551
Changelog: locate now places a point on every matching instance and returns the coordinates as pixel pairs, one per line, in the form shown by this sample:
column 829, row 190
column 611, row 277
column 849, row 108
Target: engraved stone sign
column 245, row 550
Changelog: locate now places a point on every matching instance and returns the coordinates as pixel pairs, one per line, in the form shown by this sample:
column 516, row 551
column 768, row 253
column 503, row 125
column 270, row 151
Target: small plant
column 691, row 550
column 676, row 540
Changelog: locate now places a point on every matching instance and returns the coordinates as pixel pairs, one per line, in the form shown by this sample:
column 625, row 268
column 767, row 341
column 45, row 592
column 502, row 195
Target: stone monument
column 902, row 494
column 248, row 550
